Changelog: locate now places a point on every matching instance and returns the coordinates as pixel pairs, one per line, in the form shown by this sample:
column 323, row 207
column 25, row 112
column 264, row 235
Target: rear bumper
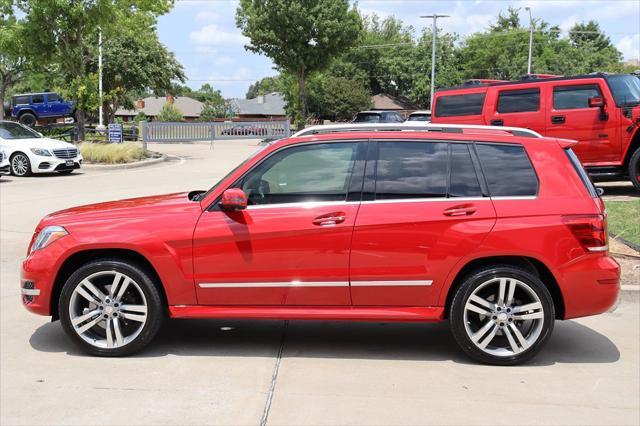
column 590, row 285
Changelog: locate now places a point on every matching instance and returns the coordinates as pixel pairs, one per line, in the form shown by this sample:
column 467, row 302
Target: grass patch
column 624, row 219
column 112, row 153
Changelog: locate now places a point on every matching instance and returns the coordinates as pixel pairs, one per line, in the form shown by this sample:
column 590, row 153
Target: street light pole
column 434, row 32
column 528, row 9
column 100, row 114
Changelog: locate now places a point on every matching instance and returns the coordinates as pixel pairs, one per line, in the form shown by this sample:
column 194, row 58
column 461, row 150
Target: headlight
column 47, row 236
column 40, row 151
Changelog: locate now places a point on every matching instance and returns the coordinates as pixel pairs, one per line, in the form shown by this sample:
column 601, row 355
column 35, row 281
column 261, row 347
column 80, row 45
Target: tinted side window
column 508, row 170
column 463, row 181
column 411, row 170
column 519, row 100
column 37, row 99
column 448, row 106
column 304, row 173
column 19, row 100
column 571, row 97
column 53, row 97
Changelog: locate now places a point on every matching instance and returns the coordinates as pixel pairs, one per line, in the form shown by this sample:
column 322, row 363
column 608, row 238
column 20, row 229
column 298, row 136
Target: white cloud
column 629, row 46
column 212, row 35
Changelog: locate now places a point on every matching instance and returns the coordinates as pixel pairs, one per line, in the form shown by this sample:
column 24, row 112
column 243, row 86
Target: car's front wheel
column 20, row 165
column 111, row 307
column 502, row 315
column 634, row 169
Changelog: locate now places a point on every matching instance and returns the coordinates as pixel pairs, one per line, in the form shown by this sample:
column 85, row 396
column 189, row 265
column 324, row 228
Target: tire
column 28, row 119
column 20, row 165
column 634, row 169
column 94, row 306
column 501, row 336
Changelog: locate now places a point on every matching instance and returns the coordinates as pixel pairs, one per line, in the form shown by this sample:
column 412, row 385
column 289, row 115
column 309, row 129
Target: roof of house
column 269, row 104
column 152, row 105
column 389, row 102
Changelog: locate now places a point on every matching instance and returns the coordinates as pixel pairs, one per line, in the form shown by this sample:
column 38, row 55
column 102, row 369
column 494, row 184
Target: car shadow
column 571, row 342
column 618, row 189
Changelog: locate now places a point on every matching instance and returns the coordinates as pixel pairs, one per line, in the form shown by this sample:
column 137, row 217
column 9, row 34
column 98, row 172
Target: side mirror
column 233, row 199
column 596, row 102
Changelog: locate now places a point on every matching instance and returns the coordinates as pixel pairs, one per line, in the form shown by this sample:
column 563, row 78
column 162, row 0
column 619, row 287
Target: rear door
column 423, row 209
column 39, row 104
column 520, row 107
column 570, row 117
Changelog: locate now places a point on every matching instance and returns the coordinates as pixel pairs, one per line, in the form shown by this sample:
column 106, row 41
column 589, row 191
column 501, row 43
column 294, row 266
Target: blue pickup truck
column 29, row 108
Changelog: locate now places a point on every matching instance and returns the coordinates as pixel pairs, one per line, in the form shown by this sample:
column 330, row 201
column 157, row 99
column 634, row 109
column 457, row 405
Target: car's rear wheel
column 28, row 119
column 111, row 308
column 502, row 315
column 20, row 165
column 634, row 169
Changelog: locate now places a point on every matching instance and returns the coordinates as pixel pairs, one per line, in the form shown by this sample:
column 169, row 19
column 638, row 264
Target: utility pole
column 100, row 114
column 528, row 9
column 434, row 34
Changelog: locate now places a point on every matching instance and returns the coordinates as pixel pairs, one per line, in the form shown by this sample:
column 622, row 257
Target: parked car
column 600, row 111
column 499, row 231
column 245, row 130
column 4, row 162
column 29, row 152
column 28, row 108
column 424, row 116
column 378, row 117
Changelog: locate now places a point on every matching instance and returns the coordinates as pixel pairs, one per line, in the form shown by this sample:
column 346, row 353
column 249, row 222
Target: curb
column 134, row 165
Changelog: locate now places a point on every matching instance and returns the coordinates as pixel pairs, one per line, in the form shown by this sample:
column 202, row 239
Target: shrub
column 169, row 112
column 112, row 153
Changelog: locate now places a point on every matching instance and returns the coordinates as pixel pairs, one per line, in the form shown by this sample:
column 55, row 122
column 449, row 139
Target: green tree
column 13, row 62
column 135, row 61
column 212, row 110
column 64, row 33
column 169, row 113
column 264, row 86
column 300, row 36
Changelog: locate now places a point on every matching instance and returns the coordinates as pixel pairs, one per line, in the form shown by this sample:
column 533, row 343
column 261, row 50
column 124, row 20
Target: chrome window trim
column 303, row 205
column 276, row 284
column 424, row 200
column 523, row 197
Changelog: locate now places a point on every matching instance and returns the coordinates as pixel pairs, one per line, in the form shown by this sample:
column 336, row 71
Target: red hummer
column 600, row 111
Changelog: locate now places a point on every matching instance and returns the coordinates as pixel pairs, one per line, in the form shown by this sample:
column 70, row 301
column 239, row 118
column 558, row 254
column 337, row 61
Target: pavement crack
column 274, row 376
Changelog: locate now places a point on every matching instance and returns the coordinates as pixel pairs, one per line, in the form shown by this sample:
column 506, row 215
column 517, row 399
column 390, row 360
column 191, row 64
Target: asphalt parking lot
column 248, row 372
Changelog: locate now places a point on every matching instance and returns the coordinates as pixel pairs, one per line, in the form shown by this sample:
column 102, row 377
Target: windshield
column 625, row 88
column 367, row 117
column 16, row 131
column 420, row 117
column 213, row 188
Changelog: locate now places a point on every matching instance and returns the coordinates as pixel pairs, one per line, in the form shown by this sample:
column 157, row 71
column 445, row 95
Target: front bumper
column 4, row 169
column 54, row 164
column 590, row 285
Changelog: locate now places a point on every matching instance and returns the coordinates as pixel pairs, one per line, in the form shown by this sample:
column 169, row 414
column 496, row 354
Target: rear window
column 508, row 171
column 574, row 97
column 584, row 177
column 456, row 105
column 525, row 100
column 20, row 100
column 463, row 181
column 367, row 118
column 53, row 97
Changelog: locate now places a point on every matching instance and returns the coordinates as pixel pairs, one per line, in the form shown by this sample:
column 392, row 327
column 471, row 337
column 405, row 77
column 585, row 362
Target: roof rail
column 403, row 127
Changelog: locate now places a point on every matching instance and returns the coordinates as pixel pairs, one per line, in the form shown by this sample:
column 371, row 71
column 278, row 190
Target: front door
column 291, row 245
column 571, row 118
column 425, row 211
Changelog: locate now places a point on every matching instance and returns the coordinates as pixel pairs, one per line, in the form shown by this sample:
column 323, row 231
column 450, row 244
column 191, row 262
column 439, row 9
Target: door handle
column 462, row 210
column 497, row 122
column 558, row 119
column 330, row 219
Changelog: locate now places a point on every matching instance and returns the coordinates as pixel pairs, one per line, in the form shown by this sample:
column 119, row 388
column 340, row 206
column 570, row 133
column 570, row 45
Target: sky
column 204, row 37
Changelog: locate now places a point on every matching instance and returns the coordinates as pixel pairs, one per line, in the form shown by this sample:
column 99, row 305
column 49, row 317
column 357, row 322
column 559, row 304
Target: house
column 401, row 104
column 270, row 106
column 152, row 105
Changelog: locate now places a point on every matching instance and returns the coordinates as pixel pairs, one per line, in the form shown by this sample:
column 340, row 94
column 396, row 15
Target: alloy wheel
column 20, row 164
column 503, row 317
column 108, row 309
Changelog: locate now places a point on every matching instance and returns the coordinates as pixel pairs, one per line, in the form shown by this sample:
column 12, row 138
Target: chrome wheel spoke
column 135, row 317
column 118, row 332
column 119, row 286
column 89, row 325
column 528, row 307
column 534, row 315
column 482, row 302
column 477, row 309
column 478, row 335
column 523, row 342
column 512, row 284
column 514, row 346
column 79, row 320
column 134, row 308
column 109, row 326
column 484, row 342
column 501, row 290
column 93, row 294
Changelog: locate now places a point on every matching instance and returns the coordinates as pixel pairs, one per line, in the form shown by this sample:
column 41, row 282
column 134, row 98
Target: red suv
column 600, row 111
column 499, row 231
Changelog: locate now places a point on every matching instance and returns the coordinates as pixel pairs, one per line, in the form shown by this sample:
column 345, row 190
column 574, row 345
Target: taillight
column 589, row 230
